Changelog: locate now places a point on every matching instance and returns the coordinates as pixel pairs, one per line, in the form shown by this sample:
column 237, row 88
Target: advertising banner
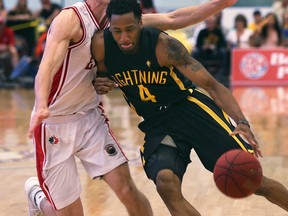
column 259, row 67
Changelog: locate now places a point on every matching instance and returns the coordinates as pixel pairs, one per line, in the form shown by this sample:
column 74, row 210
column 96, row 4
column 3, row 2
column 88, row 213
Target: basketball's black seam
column 227, row 174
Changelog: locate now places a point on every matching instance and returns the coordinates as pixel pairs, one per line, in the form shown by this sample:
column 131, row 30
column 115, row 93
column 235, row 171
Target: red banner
column 259, row 67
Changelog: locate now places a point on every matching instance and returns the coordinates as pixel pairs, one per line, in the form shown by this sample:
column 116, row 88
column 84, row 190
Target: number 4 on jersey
column 145, row 95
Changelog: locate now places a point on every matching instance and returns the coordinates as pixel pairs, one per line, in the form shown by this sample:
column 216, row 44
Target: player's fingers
column 102, row 92
column 29, row 135
column 33, row 123
column 36, row 120
column 236, row 131
column 104, row 88
column 104, row 81
column 257, row 152
column 30, row 132
column 256, row 147
column 251, row 139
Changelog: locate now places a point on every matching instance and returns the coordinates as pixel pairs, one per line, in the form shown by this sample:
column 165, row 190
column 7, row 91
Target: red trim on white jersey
column 59, row 80
column 106, row 24
column 84, row 35
column 40, row 145
column 92, row 16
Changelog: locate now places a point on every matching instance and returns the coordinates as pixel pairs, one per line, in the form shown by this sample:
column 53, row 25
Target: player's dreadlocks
column 119, row 7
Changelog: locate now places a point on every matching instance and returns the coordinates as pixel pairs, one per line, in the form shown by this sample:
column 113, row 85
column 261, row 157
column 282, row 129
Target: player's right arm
column 64, row 30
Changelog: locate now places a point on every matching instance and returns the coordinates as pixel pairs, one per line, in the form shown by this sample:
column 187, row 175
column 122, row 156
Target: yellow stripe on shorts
column 217, row 119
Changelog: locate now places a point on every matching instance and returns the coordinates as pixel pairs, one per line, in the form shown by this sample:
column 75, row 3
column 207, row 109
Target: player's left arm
column 102, row 83
column 170, row 52
column 187, row 16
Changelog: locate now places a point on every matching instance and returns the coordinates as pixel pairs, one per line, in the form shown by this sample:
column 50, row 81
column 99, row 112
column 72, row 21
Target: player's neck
column 98, row 9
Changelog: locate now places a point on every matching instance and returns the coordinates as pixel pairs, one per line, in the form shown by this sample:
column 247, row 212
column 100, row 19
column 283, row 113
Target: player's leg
column 274, row 191
column 74, row 209
column 120, row 181
column 169, row 188
column 166, row 168
column 61, row 185
column 58, row 176
column 102, row 156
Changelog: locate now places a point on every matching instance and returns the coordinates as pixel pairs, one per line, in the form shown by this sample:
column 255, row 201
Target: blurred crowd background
column 23, row 30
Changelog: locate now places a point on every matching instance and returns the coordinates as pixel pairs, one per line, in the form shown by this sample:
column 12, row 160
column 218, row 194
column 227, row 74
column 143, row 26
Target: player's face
column 126, row 31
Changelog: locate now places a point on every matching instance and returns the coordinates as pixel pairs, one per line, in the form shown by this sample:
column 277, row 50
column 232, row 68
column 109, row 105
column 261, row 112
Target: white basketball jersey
column 72, row 90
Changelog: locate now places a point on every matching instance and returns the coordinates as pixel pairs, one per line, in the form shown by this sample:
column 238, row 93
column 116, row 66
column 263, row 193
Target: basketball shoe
column 34, row 195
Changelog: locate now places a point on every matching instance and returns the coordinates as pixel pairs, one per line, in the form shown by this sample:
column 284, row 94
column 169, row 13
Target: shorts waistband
column 66, row 118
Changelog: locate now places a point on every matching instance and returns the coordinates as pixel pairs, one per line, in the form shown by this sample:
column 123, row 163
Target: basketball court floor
column 266, row 109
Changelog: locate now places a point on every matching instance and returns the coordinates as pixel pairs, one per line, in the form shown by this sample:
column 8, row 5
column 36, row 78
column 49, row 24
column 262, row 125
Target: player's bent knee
column 165, row 176
column 166, row 182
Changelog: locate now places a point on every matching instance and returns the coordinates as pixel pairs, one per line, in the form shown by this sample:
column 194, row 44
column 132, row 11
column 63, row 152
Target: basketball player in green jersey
column 155, row 73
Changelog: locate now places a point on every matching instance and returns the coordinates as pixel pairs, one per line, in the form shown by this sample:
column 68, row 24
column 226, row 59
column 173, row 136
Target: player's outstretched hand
column 247, row 133
column 36, row 118
column 103, row 85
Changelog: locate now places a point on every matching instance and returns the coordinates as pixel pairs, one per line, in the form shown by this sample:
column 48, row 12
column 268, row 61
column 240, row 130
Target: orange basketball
column 237, row 173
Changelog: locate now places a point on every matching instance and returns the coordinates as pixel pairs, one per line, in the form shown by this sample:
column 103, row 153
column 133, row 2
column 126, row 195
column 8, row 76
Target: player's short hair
column 119, row 7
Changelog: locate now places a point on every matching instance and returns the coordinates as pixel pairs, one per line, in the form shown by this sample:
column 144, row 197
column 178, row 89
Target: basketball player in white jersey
column 68, row 118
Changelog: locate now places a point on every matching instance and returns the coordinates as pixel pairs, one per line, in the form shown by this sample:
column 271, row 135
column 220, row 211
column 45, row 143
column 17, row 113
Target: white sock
column 37, row 195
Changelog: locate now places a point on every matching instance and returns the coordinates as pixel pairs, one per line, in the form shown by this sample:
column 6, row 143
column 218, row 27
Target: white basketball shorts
column 57, row 142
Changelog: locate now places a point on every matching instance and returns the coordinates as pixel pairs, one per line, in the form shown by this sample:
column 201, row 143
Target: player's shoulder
column 163, row 39
column 66, row 25
column 67, row 15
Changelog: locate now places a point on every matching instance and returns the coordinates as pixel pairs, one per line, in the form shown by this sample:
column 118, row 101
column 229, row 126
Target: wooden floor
column 266, row 108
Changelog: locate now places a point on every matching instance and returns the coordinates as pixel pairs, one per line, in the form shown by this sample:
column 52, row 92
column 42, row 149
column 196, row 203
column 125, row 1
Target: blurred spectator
column 25, row 71
column 48, row 11
column 285, row 29
column 20, row 19
column 196, row 30
column 148, row 6
column 270, row 35
column 279, row 7
column 3, row 11
column 198, row 27
column 211, row 50
column 219, row 17
column 239, row 36
column 8, row 51
column 257, row 18
column 20, row 11
column 41, row 42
